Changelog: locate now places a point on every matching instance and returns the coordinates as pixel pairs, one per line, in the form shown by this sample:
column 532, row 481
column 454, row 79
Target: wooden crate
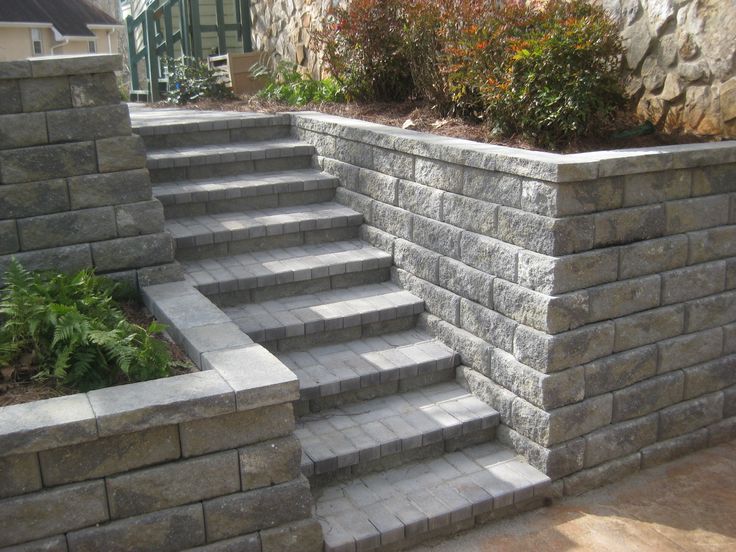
column 235, row 70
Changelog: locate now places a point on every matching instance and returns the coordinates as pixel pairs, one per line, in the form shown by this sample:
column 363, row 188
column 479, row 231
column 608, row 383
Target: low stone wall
column 74, row 190
column 592, row 296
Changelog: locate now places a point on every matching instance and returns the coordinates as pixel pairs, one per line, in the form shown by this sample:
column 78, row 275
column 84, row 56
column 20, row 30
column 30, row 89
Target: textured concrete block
column 19, row 474
column 45, row 94
column 622, row 298
column 629, row 225
column 394, row 163
column 715, row 179
column 648, row 396
column 212, row 337
column 492, row 256
column 379, row 186
column 649, row 327
column 67, row 228
column 20, row 69
column 556, row 461
column 697, row 213
column 133, row 252
column 270, row 463
column 93, row 90
column 75, row 65
column 246, row 543
column 348, row 174
column 711, row 376
column 602, row 474
column 302, row 536
column 543, row 234
column 109, row 455
column 421, row 200
column 722, row 432
column 266, row 508
column 135, row 219
column 235, row 430
column 444, row 176
column 621, row 370
column 173, row 484
column 46, row 162
column 353, row 153
column 33, row 198
column 716, row 310
column 417, row 260
column 121, row 153
column 688, row 350
column 470, row 214
column 52, row 544
column 652, row 256
column 392, row 220
column 711, row 244
column 9, row 242
column 23, row 130
column 688, row 416
column 496, row 187
column 48, row 513
column 552, row 353
column 487, row 391
column 492, row 327
column 88, row 123
column 10, row 93
column 97, row 190
column 466, row 281
column 357, row 202
column 473, row 351
column 664, row 451
column 620, row 439
column 656, row 187
column 165, row 531
column 67, row 259
column 693, row 282
column 437, row 300
column 729, row 339
column 573, row 199
column 555, row 276
column 436, row 236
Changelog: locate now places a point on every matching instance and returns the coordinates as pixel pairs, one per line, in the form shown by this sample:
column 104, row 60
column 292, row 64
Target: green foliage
column 72, row 328
column 287, row 84
column 191, row 79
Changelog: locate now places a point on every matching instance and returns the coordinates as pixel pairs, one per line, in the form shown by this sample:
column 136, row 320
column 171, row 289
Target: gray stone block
column 656, row 187
column 492, row 327
column 417, row 260
column 629, row 225
column 235, row 430
column 93, row 90
column 648, row 396
column 67, row 228
column 97, row 190
column 555, row 462
column 33, row 198
column 693, row 282
column 270, row 463
column 75, row 65
column 731, row 274
column 649, row 327
column 165, row 531
column 715, row 179
column 20, row 69
column 47, row 513
column 437, row 300
column 686, row 417
column 353, row 153
column 348, row 174
column 121, row 153
column 545, row 235
column 618, row 371
column 555, row 276
column 466, row 282
column 545, row 391
column 377, row 238
column 729, row 339
column 697, row 213
column 357, row 202
column 379, row 186
column 652, row 256
column 212, row 337
column 88, row 123
column 109, row 455
column 302, row 536
column 23, row 130
column 52, row 544
column 66, row 259
column 620, row 439
column 133, row 252
column 582, row 197
column 470, row 214
column 10, row 93
column 393, row 163
column 688, row 350
column 19, row 474
column 622, row 298
column 664, row 451
column 552, row 353
column 489, row 255
column 437, row 174
column 716, row 310
column 173, row 484
column 722, row 432
column 393, row 220
column 45, row 94
column 472, row 350
column 711, row 376
column 715, row 243
column 496, row 187
column 247, row 543
column 9, row 242
column 487, row 391
column 135, row 219
column 436, row 236
column 421, row 200
column 265, row 508
column 46, row 162
column 602, row 474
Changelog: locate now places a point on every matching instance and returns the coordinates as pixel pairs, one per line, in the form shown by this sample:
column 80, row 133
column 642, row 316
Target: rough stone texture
column 648, row 396
column 690, row 415
column 620, row 439
column 602, row 474
column 270, row 463
column 19, row 474
column 33, row 198
column 664, row 451
column 620, row 370
column 303, row 536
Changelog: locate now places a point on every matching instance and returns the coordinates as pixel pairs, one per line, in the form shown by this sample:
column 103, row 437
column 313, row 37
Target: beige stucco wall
column 15, row 43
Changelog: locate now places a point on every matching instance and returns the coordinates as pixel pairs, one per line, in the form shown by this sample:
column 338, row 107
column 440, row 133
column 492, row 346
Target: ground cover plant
column 286, row 84
column 70, row 332
column 191, row 79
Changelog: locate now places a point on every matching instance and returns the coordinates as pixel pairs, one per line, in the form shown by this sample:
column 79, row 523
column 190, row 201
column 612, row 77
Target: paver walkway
column 685, row 505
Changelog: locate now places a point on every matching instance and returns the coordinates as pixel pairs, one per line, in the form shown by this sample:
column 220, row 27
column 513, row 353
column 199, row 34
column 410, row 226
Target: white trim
column 93, row 27
column 36, row 25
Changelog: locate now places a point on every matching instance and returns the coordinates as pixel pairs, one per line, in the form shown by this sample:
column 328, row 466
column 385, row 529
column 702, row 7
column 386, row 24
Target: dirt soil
column 17, row 387
column 419, row 116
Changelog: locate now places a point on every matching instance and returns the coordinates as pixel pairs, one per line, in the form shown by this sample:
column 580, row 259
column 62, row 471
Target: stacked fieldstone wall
column 592, row 297
column 74, row 190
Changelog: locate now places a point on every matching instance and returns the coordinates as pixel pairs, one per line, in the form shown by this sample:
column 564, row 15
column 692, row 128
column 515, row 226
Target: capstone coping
column 58, row 66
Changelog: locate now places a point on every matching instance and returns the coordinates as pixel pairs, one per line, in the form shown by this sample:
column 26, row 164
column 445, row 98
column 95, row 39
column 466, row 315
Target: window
column 36, row 41
column 92, row 46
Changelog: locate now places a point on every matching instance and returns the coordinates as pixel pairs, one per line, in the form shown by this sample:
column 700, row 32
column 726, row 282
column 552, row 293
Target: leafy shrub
column 287, row 84
column 191, row 79
column 74, row 332
column 362, row 48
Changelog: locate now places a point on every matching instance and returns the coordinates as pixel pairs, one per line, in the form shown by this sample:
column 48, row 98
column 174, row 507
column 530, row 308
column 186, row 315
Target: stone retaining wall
column 74, row 190
column 592, row 296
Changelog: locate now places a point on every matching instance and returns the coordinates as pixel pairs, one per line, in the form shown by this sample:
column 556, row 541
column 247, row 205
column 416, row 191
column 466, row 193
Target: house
column 55, row 27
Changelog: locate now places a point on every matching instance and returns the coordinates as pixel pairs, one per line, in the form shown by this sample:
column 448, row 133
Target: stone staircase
column 395, row 450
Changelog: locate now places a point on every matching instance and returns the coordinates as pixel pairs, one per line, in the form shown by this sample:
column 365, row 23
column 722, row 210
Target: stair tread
column 220, row 227
column 385, row 508
column 147, row 121
column 185, row 156
column 233, row 187
column 343, row 367
column 281, row 266
column 333, row 309
column 368, row 430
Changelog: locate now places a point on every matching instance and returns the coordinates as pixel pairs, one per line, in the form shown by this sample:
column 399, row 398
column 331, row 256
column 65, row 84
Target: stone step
column 332, row 316
column 333, row 375
column 403, row 506
column 225, row 234
column 366, row 435
column 164, row 128
column 241, row 193
column 277, row 273
column 211, row 160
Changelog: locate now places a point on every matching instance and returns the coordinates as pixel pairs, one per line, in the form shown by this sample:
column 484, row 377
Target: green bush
column 71, row 328
column 287, row 84
column 191, row 79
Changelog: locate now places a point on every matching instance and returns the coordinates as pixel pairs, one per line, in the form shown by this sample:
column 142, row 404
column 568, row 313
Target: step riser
column 208, row 137
column 172, row 211
column 185, row 252
column 233, row 168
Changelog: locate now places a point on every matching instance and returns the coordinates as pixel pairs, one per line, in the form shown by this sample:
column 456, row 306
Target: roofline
column 102, row 27
column 26, row 24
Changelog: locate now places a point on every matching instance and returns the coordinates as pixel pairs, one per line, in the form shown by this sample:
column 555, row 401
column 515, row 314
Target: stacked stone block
column 592, row 297
column 74, row 191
